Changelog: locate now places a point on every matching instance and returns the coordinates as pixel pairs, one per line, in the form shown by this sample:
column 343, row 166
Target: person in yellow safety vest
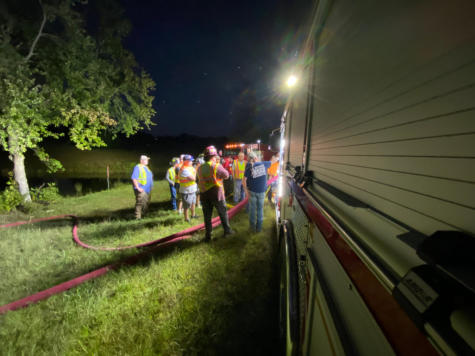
column 177, row 185
column 172, row 178
column 142, row 180
column 210, row 178
column 188, row 187
column 239, row 166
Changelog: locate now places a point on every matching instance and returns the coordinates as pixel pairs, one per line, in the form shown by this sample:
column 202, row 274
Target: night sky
column 217, row 64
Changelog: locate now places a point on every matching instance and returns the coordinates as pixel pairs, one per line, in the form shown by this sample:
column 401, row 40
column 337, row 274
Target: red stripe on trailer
column 400, row 331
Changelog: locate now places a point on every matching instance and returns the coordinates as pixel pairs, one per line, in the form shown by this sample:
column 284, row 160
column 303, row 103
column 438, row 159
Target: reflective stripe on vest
column 142, row 175
column 172, row 174
column 238, row 169
column 186, row 181
column 207, row 177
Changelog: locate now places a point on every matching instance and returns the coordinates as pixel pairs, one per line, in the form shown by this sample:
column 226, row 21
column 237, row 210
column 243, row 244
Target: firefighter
column 239, row 165
column 210, row 178
column 142, row 180
column 188, row 187
column 171, row 177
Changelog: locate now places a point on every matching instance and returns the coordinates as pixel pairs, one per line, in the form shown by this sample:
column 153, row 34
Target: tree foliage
column 64, row 71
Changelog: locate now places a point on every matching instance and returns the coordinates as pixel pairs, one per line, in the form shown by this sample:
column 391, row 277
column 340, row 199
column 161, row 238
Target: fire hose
column 152, row 246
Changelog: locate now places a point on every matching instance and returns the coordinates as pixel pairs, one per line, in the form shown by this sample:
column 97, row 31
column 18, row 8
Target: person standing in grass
column 238, row 168
column 177, row 185
column 273, row 172
column 171, row 177
column 196, row 164
column 210, row 177
column 142, row 180
column 188, row 187
column 255, row 183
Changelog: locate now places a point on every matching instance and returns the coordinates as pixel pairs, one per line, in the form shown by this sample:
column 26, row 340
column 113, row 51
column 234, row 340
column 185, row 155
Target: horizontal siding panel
column 451, row 124
column 422, row 213
column 454, row 192
column 452, row 146
column 444, row 95
column 418, row 77
column 443, row 168
column 375, row 58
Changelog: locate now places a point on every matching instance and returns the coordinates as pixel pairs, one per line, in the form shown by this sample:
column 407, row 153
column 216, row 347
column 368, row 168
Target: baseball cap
column 144, row 157
column 188, row 158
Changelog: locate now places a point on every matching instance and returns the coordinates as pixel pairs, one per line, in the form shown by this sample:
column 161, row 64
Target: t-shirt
column 256, row 176
column 135, row 175
column 185, row 173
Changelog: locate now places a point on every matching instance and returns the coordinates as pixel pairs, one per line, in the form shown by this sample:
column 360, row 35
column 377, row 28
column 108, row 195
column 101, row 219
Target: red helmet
column 210, row 151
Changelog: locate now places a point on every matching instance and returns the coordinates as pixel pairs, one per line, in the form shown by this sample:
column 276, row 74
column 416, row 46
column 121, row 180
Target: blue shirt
column 135, row 175
column 256, row 176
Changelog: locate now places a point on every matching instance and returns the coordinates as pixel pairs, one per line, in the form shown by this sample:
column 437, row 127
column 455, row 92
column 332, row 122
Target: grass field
column 185, row 299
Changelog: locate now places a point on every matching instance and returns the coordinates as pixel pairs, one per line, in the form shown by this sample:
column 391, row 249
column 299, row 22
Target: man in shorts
column 188, row 187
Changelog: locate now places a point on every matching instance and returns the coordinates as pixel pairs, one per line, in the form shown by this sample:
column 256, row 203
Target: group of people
column 199, row 183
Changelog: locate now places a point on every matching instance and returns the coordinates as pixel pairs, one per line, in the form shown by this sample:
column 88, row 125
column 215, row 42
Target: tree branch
column 35, row 42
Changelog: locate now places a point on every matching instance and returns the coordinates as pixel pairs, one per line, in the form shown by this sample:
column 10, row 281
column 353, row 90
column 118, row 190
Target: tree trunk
column 19, row 173
column 20, row 176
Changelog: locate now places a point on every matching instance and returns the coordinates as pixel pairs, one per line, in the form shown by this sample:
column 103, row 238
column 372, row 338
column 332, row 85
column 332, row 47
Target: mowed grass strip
column 189, row 298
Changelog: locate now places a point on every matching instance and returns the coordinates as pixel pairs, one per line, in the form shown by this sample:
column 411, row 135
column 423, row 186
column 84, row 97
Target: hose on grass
column 152, row 246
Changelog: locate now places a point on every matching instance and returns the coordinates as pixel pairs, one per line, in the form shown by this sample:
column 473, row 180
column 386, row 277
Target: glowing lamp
column 291, row 81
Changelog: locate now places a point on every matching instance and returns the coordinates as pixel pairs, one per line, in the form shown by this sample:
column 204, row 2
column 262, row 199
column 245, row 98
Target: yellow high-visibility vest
column 172, row 174
column 186, row 181
column 238, row 169
column 142, row 174
column 207, row 176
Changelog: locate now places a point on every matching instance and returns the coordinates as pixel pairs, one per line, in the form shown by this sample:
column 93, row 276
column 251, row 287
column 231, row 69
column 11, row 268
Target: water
column 72, row 186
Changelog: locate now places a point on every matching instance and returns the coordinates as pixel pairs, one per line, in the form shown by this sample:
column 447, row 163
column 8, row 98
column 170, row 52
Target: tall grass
column 189, row 298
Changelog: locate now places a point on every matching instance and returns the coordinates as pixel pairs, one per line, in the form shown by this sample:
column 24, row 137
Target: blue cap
column 188, row 158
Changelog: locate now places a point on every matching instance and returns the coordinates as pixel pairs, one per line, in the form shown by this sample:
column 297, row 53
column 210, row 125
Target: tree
column 63, row 75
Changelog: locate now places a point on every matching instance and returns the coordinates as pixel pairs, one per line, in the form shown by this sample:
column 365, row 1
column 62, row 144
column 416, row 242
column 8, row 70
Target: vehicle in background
column 233, row 148
column 377, row 191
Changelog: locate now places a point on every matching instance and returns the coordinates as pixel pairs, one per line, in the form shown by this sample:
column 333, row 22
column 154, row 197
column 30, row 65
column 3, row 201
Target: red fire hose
column 155, row 244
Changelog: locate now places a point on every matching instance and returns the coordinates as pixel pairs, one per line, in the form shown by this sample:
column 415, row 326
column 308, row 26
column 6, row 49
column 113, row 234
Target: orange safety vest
column 207, row 178
column 272, row 171
column 238, row 169
column 186, row 181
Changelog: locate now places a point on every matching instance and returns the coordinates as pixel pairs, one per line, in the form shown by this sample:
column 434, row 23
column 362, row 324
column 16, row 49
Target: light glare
column 291, row 81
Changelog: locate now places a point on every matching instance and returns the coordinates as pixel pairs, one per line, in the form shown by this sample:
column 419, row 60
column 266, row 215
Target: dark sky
column 216, row 63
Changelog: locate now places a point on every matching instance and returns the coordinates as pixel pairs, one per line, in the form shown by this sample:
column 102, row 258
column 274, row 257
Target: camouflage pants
column 141, row 203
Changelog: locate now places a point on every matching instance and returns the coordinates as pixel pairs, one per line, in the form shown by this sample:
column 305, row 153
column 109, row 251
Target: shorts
column 188, row 199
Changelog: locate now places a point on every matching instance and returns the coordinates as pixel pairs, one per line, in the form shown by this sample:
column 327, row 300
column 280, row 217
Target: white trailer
column 377, row 189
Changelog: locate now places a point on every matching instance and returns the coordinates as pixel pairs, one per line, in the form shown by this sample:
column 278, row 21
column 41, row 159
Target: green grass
column 185, row 299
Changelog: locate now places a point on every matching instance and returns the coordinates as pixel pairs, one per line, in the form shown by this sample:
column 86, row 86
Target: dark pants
column 173, row 196
column 141, row 203
column 220, row 206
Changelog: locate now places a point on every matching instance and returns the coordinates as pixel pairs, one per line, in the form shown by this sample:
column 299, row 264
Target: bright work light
column 291, row 81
